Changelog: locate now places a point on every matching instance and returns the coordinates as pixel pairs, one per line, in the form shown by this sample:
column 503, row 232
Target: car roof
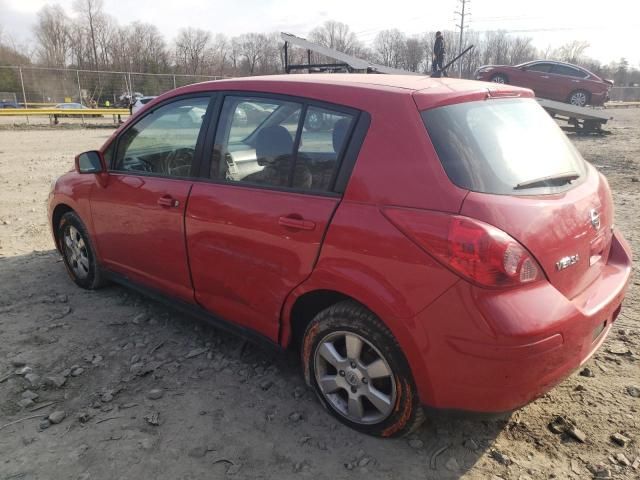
column 339, row 88
column 555, row 62
column 364, row 80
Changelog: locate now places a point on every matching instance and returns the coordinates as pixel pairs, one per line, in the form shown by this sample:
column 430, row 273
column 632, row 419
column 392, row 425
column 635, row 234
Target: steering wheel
column 137, row 164
column 178, row 162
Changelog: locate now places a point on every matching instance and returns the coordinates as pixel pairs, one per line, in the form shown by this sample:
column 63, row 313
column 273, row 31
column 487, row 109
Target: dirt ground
column 149, row 393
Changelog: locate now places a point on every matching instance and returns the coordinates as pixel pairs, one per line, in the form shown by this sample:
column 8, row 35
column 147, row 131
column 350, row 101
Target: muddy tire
column 357, row 369
column 78, row 252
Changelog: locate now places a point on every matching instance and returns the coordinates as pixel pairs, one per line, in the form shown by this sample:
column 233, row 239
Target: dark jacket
column 438, row 47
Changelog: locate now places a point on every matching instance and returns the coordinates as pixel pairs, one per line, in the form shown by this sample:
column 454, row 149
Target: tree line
column 94, row 40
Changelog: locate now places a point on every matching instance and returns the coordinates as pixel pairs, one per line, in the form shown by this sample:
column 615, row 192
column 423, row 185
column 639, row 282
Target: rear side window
column 279, row 143
column 323, row 139
column 503, row 146
column 568, row 71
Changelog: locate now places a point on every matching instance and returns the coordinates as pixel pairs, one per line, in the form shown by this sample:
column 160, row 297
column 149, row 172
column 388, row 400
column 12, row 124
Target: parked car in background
column 8, row 104
column 75, row 110
column 558, row 81
column 431, row 245
column 141, row 102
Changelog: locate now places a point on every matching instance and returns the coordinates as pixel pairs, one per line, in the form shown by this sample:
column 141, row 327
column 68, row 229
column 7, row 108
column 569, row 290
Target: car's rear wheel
column 78, row 253
column 499, row 78
column 358, row 371
column 579, row 98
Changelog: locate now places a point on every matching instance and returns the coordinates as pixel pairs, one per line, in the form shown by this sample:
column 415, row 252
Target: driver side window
column 163, row 142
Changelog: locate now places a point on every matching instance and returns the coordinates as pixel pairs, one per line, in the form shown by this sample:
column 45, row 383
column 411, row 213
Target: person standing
column 438, row 56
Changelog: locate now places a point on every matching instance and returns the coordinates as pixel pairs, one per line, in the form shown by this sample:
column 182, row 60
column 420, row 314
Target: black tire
column 499, row 78
column 349, row 317
column 90, row 277
column 579, row 98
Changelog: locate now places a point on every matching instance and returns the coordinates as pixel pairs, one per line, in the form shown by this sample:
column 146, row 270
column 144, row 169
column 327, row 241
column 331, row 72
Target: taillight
column 475, row 250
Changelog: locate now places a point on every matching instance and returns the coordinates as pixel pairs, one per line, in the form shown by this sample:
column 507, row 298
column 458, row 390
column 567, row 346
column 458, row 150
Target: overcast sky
column 611, row 27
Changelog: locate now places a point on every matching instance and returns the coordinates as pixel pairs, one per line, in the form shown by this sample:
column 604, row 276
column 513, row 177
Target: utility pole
column 464, row 4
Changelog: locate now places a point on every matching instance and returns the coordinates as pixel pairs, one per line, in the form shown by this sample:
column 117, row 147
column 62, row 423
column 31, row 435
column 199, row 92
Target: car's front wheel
column 78, row 253
column 499, row 78
column 358, row 371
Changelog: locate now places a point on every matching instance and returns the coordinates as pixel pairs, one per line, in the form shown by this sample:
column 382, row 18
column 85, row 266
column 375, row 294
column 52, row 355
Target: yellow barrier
column 7, row 112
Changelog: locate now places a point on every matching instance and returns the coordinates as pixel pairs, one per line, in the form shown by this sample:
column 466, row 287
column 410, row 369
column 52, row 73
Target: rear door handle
column 297, row 223
column 168, row 201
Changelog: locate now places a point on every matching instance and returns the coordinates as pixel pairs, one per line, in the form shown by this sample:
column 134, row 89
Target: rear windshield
column 503, row 146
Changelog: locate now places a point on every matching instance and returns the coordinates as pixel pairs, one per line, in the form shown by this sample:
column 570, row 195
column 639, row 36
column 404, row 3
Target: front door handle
column 168, row 201
column 296, row 222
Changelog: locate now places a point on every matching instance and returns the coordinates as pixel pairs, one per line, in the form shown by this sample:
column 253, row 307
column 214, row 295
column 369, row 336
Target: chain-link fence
column 625, row 94
column 39, row 86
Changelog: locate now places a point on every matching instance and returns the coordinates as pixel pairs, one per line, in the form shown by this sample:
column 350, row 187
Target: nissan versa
column 420, row 242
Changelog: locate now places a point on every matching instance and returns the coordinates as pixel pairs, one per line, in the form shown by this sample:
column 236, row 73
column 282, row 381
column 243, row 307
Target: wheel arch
column 56, row 215
column 305, row 302
column 305, row 307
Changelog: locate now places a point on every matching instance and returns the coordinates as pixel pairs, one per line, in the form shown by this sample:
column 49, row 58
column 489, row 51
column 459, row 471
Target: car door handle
column 296, row 222
column 168, row 201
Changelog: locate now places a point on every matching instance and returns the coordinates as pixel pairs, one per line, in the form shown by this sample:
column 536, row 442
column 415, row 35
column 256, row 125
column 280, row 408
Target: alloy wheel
column 76, row 252
column 579, row 99
column 354, row 378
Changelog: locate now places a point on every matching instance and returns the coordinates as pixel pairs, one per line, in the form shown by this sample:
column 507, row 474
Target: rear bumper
column 495, row 351
column 599, row 98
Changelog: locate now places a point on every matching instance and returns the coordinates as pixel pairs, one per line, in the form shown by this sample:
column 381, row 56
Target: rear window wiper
column 557, row 180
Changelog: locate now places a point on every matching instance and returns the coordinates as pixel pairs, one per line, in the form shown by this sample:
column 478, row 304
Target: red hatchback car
column 562, row 82
column 438, row 242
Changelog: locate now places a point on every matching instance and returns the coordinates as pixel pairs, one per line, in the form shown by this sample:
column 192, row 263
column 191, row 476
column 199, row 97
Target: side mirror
column 89, row 162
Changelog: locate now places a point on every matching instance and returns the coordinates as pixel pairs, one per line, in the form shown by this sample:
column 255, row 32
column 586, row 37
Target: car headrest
column 273, row 142
column 339, row 132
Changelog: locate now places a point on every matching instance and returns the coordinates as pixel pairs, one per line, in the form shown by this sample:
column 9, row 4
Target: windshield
column 502, row 146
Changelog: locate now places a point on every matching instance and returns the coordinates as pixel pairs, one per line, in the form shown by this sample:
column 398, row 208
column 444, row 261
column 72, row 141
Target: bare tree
column 414, row 54
column 390, row 45
column 219, row 54
column 572, row 52
column 80, row 54
column 105, row 30
column 52, row 33
column 90, row 12
column 336, row 35
column 270, row 61
column 495, row 48
column 521, row 50
column 252, row 49
column 191, row 47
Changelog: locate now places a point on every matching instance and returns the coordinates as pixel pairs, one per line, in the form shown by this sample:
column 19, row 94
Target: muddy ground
column 149, row 393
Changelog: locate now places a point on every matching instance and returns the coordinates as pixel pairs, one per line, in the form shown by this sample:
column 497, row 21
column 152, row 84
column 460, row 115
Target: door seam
column 186, row 244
